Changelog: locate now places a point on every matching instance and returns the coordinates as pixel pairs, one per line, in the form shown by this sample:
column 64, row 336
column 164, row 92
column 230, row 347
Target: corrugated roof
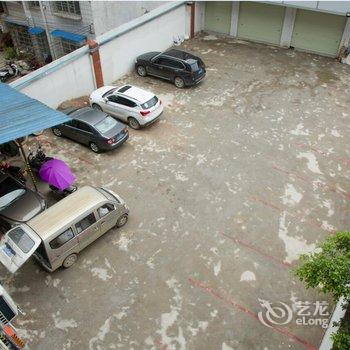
column 21, row 115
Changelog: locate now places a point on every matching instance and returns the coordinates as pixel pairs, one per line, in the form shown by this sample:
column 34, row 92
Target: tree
column 328, row 270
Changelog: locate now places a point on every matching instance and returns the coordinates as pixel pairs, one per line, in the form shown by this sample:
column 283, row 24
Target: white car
column 128, row 103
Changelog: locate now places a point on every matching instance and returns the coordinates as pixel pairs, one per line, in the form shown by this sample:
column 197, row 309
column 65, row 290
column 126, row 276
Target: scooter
column 10, row 71
column 38, row 159
column 63, row 193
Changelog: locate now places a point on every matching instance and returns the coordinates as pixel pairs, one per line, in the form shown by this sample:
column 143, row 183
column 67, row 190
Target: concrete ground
column 242, row 174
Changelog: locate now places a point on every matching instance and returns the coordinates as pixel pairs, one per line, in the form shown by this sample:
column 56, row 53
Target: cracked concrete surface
column 242, row 174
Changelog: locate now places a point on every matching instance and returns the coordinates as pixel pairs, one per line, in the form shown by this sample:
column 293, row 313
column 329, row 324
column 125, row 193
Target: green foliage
column 341, row 340
column 328, row 269
column 10, row 53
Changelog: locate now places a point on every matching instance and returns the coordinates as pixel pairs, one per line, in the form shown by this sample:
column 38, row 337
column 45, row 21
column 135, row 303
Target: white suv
column 128, row 103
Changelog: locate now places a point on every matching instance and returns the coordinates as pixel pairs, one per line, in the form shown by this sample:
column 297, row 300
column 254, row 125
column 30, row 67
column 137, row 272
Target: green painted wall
column 260, row 22
column 318, row 32
column 218, row 16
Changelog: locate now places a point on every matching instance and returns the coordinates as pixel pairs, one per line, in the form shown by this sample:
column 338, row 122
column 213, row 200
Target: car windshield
column 8, row 185
column 106, row 124
column 11, row 197
column 149, row 104
column 21, row 239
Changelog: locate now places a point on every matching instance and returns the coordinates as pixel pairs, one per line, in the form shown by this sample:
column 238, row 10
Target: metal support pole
column 27, row 166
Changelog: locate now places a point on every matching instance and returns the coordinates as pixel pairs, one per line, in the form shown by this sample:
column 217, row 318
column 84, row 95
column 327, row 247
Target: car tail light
column 144, row 113
column 110, row 141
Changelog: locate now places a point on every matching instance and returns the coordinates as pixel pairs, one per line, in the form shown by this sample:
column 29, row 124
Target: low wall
column 63, row 79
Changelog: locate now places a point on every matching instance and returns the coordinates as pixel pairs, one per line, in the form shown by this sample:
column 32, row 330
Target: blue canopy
column 36, row 30
column 21, row 115
column 77, row 38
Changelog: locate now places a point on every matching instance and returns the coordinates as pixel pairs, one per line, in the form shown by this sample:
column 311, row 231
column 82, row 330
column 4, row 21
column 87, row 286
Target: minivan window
column 11, row 197
column 106, row 124
column 105, row 209
column 62, row 239
column 21, row 239
column 149, row 104
column 82, row 225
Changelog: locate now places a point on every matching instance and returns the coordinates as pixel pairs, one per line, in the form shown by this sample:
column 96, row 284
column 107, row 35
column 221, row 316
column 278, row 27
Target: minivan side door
column 61, row 246
column 87, row 230
column 108, row 216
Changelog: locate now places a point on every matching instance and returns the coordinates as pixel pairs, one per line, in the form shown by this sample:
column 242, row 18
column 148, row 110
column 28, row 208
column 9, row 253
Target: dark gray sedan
column 92, row 128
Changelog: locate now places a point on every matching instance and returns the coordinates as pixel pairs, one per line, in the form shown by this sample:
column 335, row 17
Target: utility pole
column 47, row 30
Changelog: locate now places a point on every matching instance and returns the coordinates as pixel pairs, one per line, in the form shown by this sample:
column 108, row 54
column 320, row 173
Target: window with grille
column 72, row 7
column 34, row 3
column 22, row 37
column 68, row 46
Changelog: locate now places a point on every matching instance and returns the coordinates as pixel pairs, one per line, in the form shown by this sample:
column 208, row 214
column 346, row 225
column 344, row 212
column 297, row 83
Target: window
column 83, row 126
column 62, row 239
column 21, row 239
column 34, row 3
column 149, row 104
column 170, row 63
column 105, row 209
column 112, row 98
column 125, row 102
column 68, row 46
column 72, row 7
column 106, row 125
column 22, row 37
column 85, row 223
column 124, row 88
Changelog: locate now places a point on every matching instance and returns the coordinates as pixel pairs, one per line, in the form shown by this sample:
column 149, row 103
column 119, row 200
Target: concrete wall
column 66, row 78
column 150, row 32
column 111, row 14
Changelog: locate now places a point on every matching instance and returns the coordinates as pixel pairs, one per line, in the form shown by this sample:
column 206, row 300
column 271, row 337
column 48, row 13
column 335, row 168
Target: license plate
column 8, row 251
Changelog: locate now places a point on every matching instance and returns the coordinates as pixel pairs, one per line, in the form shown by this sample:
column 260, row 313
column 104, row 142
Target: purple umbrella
column 57, row 173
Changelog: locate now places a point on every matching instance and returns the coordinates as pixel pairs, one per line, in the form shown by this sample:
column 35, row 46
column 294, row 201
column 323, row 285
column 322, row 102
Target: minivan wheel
column 133, row 123
column 70, row 260
column 95, row 106
column 57, row 132
column 94, row 147
column 122, row 220
column 179, row 82
column 141, row 71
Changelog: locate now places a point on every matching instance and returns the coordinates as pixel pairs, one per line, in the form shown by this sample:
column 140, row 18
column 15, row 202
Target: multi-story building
column 51, row 29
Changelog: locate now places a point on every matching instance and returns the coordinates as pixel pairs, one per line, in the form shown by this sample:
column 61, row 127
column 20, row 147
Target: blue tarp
column 77, row 38
column 21, row 115
column 36, row 30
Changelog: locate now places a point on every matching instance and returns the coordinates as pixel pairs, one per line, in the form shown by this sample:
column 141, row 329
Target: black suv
column 180, row 67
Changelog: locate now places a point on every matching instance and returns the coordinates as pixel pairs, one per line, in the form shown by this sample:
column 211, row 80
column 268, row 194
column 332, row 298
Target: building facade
column 51, row 29
column 320, row 27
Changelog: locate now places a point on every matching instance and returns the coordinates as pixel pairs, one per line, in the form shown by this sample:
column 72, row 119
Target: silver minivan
column 56, row 236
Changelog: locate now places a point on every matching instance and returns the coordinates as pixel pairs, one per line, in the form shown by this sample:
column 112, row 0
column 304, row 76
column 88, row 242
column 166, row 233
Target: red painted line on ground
column 228, row 300
column 257, row 250
column 86, row 161
column 312, row 222
column 325, row 186
column 343, row 160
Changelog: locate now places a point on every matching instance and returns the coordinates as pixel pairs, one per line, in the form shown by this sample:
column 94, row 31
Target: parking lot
column 241, row 174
